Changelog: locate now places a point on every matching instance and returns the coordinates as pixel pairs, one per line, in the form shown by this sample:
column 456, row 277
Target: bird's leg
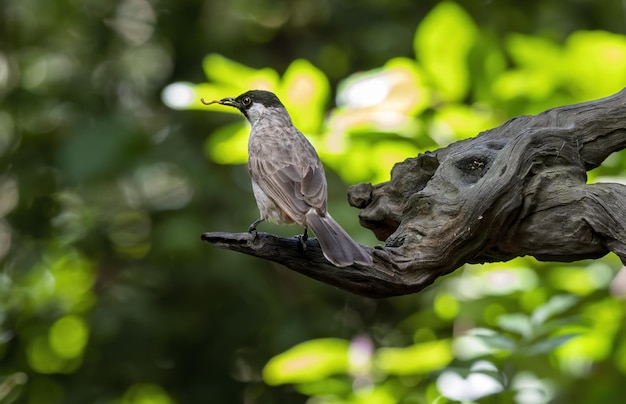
column 252, row 227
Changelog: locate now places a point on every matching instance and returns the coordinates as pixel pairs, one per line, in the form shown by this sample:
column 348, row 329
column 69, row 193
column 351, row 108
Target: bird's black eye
column 246, row 101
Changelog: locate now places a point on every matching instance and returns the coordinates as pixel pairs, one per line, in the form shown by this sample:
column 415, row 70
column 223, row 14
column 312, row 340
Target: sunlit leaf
column 464, row 121
column 237, row 76
column 411, row 87
column 309, row 361
column 534, row 52
column 305, row 90
column 538, row 68
column 228, row 144
column 399, row 86
column 210, row 92
column 377, row 395
column 596, row 62
column 531, row 84
column 442, row 43
column 605, row 315
column 573, row 279
column 358, row 165
column 591, row 346
column 415, row 359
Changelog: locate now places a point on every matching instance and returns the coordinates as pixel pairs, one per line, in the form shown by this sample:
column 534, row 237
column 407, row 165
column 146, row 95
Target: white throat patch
column 256, row 112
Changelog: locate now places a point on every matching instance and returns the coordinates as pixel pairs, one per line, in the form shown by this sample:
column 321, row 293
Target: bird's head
column 252, row 104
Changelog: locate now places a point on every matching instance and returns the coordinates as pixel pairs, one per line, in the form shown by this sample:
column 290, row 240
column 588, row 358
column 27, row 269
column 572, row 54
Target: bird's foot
column 303, row 238
column 252, row 227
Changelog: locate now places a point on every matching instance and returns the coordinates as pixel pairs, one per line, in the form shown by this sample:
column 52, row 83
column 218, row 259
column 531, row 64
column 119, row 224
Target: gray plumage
column 288, row 178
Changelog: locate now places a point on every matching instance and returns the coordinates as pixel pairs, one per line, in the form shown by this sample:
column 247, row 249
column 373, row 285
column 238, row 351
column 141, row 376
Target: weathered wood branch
column 519, row 189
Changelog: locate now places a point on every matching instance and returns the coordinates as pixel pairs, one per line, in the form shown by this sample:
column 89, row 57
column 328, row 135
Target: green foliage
column 442, row 43
column 108, row 295
column 309, row 361
column 463, row 369
column 408, row 106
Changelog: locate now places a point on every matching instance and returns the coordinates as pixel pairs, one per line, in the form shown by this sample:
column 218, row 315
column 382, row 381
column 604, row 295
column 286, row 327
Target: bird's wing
column 295, row 186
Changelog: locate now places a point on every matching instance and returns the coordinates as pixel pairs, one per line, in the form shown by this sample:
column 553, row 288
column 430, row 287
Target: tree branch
column 519, row 189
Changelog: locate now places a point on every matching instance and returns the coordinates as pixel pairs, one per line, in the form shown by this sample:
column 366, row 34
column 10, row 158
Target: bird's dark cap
column 245, row 100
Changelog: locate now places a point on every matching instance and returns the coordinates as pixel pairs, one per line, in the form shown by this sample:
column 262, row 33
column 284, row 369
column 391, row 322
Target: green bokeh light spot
column 146, row 393
column 308, row 361
column 68, row 337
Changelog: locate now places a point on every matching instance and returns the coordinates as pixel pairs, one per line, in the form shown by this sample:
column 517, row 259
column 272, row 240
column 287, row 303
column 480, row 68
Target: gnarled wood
column 519, row 189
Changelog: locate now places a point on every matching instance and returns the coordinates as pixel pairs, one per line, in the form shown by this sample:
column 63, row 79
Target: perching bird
column 288, row 178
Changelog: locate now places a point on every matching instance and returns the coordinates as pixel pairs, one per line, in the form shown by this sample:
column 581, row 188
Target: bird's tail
column 337, row 246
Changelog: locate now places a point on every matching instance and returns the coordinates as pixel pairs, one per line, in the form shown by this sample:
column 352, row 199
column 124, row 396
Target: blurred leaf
column 464, row 121
column 555, row 306
column 325, row 386
column 410, row 90
column 238, row 77
column 499, row 342
column 487, row 61
column 400, row 87
column 572, row 279
column 415, row 359
column 588, row 346
column 516, row 323
column 442, row 43
column 209, row 92
column 145, row 393
column 534, row 52
column 596, row 63
column 557, row 324
column 309, row 361
column 548, row 345
column 537, row 72
column 483, row 380
column 304, row 90
column 228, row 144
column 376, row 395
column 11, row 386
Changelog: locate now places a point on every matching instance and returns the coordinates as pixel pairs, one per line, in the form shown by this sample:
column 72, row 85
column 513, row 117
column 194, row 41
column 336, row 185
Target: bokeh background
column 110, row 169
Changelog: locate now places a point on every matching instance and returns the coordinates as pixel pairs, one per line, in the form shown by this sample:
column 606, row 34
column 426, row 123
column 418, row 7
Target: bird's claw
column 303, row 238
column 252, row 228
column 253, row 233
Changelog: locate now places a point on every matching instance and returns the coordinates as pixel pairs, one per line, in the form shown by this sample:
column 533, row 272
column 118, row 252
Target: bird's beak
column 231, row 102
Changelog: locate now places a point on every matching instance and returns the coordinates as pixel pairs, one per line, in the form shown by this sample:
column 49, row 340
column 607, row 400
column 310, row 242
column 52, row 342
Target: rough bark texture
column 519, row 189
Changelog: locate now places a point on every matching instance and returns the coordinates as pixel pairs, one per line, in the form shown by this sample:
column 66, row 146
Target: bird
column 288, row 178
